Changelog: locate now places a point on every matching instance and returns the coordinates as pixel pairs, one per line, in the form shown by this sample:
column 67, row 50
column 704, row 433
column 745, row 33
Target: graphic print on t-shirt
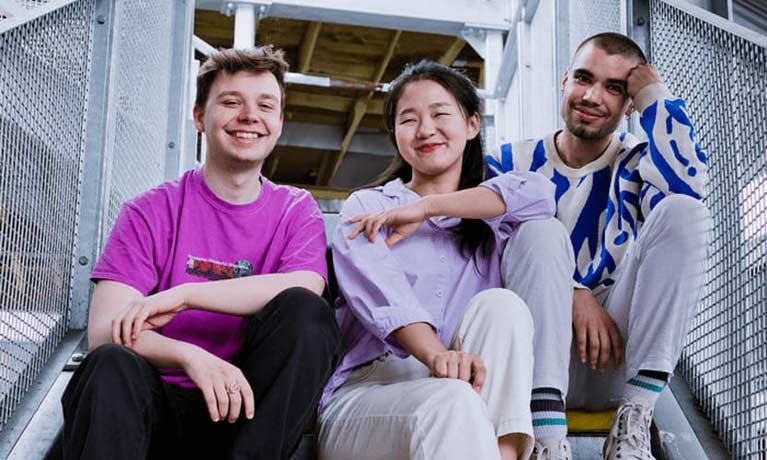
column 216, row 270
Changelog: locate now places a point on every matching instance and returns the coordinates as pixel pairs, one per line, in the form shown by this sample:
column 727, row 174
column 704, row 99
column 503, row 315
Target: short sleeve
column 129, row 255
column 527, row 195
column 305, row 244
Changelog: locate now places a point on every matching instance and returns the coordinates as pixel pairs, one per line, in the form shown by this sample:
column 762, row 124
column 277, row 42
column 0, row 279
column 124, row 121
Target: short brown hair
column 614, row 43
column 256, row 60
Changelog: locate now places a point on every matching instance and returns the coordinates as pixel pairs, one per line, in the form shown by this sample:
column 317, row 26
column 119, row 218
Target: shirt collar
column 396, row 189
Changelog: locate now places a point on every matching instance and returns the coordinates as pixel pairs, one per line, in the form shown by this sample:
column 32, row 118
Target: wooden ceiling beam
column 452, row 52
column 308, row 44
column 329, row 102
column 325, row 193
column 306, row 115
column 358, row 112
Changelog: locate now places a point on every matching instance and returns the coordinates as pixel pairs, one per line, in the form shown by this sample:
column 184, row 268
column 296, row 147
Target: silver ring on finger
column 233, row 388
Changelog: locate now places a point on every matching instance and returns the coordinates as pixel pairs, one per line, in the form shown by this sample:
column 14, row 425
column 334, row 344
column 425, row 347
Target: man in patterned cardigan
column 633, row 214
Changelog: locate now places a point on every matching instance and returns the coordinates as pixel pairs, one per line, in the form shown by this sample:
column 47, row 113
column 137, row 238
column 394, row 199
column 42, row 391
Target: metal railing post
column 638, row 28
column 92, row 194
column 178, row 89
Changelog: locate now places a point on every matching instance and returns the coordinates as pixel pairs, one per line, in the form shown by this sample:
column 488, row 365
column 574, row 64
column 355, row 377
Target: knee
column 547, row 239
column 684, row 219
column 542, row 232
column 305, row 313
column 111, row 368
column 499, row 307
column 452, row 400
column 111, row 358
column 682, row 208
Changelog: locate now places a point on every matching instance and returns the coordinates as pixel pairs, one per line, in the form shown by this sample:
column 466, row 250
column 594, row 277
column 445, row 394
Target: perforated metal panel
column 142, row 75
column 722, row 78
column 589, row 17
column 29, row 4
column 44, row 68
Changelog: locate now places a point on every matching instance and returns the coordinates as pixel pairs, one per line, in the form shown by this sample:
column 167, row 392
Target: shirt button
column 438, row 293
column 443, row 259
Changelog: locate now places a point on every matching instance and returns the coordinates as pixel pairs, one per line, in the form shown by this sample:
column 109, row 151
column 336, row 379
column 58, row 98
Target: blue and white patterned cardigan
column 604, row 203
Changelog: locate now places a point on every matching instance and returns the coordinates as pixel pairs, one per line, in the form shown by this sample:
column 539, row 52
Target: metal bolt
column 83, row 260
column 640, row 21
column 101, row 19
column 171, row 145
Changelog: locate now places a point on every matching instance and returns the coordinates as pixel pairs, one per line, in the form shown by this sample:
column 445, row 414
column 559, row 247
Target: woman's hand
column 150, row 312
column 459, row 365
column 403, row 220
column 223, row 385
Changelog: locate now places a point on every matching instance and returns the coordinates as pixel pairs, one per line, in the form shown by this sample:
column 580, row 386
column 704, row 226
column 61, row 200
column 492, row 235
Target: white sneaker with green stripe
column 629, row 437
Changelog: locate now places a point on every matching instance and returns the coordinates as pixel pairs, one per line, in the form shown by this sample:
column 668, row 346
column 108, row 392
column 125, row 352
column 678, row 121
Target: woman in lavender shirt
column 440, row 359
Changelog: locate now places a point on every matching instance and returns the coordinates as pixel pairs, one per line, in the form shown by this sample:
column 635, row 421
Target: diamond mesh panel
column 140, row 95
column 44, row 69
column 722, row 79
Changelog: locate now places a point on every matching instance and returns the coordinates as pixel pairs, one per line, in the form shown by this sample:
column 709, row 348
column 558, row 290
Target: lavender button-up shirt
column 423, row 278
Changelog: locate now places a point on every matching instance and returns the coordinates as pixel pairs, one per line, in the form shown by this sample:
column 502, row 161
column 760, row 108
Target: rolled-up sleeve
column 371, row 279
column 528, row 196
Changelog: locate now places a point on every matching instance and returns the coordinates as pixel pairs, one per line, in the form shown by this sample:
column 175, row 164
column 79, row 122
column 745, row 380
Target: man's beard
column 584, row 131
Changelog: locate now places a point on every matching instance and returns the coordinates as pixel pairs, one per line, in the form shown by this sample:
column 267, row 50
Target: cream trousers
column 657, row 287
column 391, row 409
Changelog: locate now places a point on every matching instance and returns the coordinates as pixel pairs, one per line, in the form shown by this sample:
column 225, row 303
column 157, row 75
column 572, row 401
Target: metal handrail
column 17, row 18
column 720, row 22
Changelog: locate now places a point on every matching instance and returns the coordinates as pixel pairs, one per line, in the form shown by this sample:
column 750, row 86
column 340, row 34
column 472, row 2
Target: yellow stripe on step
column 589, row 422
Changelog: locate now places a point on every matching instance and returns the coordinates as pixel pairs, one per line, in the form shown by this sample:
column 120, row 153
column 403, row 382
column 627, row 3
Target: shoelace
column 635, row 430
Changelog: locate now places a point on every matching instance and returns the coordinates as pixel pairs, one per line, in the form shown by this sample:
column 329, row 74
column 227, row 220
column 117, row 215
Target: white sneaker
column 552, row 449
column 629, row 437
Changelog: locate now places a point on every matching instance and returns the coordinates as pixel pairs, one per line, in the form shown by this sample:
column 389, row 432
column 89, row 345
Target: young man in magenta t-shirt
column 208, row 335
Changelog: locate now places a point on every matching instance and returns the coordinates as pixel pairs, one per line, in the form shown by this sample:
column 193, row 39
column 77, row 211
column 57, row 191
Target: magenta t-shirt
column 181, row 232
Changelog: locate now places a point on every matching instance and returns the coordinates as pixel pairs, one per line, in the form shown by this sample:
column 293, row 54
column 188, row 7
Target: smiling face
column 431, row 129
column 242, row 118
column 594, row 92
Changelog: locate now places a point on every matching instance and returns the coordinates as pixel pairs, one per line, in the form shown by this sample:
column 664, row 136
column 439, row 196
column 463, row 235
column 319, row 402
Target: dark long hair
column 473, row 234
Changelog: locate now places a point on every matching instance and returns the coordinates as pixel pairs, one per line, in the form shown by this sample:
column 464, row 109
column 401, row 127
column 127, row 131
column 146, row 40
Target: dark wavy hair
column 473, row 234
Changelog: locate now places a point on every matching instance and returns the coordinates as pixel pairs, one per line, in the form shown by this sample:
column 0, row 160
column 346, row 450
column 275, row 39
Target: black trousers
column 117, row 407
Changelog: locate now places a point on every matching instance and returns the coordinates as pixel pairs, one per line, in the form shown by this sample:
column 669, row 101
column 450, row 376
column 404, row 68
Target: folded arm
column 239, row 296
column 214, row 376
column 672, row 162
column 511, row 198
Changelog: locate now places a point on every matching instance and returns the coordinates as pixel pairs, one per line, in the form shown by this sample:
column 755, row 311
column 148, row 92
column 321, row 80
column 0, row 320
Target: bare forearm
column 161, row 351
column 473, row 203
column 419, row 340
column 245, row 296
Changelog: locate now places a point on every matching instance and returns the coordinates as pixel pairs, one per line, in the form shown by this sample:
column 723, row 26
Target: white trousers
column 538, row 265
column 657, row 287
column 391, row 409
